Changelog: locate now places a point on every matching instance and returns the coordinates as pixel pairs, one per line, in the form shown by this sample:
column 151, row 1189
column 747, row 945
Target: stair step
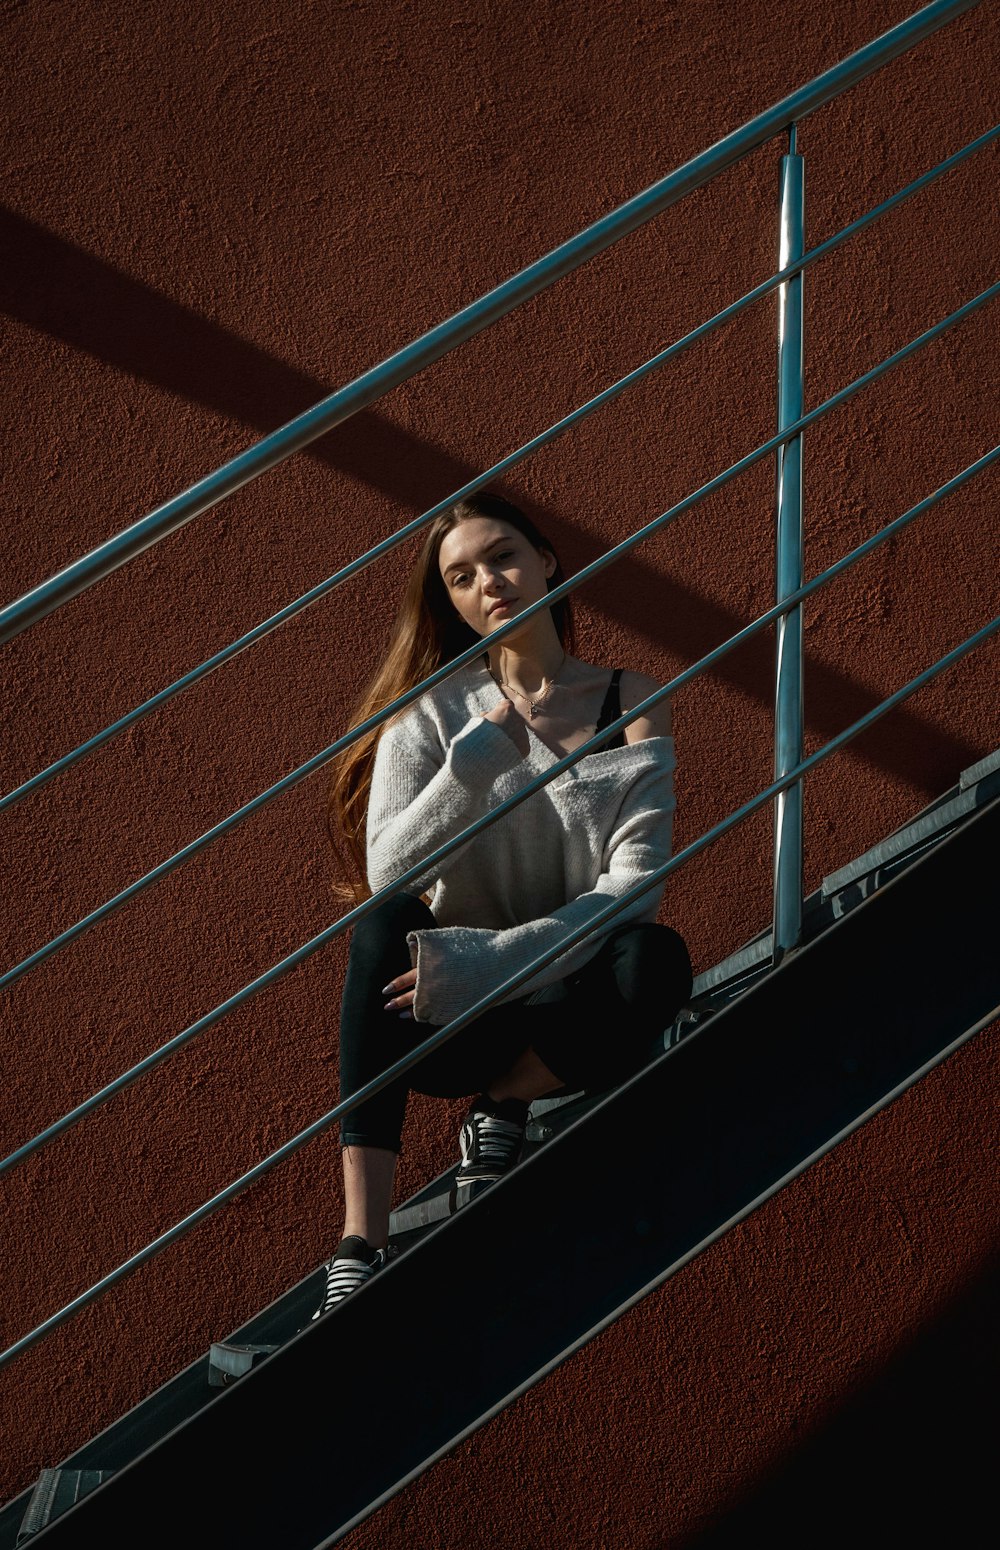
column 977, row 772
column 228, row 1360
column 413, row 1218
column 55, row 1491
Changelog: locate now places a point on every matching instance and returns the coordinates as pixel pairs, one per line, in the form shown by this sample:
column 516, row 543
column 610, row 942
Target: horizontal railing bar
column 403, row 1065
column 601, row 563
column 469, row 321
column 528, row 449
column 285, row 966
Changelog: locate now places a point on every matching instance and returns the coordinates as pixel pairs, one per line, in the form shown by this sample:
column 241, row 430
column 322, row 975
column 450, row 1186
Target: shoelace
column 344, row 1276
column 489, row 1141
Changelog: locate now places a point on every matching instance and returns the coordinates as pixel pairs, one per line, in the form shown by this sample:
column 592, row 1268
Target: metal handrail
column 528, row 449
column 465, row 324
column 563, row 590
column 403, row 1065
column 351, row 918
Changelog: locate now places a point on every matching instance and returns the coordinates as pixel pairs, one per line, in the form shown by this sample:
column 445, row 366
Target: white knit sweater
column 525, row 882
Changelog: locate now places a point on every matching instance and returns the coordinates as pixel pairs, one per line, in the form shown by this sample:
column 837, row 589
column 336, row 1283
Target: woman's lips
column 499, row 607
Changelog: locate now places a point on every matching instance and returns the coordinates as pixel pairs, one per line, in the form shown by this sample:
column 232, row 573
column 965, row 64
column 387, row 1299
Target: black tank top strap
column 611, row 710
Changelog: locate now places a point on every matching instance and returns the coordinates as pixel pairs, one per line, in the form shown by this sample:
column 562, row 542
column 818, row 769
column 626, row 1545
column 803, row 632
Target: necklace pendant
column 534, row 710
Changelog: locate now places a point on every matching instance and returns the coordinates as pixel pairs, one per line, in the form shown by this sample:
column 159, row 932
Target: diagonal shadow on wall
column 909, row 1458
column 53, row 286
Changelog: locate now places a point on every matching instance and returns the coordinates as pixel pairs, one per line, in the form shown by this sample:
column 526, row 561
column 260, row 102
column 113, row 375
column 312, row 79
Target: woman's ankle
column 371, row 1239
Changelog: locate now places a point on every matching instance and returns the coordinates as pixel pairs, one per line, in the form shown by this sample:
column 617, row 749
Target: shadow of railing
column 128, row 324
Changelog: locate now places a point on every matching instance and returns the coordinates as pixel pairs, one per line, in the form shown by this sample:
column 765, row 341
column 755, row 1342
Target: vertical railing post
column 788, row 739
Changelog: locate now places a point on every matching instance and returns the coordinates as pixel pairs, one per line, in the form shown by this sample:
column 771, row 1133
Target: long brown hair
column 428, row 632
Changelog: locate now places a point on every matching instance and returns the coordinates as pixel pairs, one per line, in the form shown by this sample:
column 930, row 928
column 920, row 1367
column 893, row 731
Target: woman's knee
column 651, row 968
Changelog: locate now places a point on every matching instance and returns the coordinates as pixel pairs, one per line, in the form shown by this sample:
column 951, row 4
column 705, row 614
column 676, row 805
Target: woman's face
column 492, row 572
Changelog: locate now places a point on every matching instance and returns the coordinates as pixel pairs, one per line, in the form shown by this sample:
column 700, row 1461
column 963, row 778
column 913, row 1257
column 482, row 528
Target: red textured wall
column 211, row 218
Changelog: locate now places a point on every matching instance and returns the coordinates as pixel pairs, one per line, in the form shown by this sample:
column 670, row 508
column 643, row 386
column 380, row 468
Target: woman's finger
column 403, row 1000
column 401, row 982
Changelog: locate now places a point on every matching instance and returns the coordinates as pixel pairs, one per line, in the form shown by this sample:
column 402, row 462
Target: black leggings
column 592, row 1030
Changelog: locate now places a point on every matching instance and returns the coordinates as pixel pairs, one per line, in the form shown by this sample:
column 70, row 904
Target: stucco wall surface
column 212, row 217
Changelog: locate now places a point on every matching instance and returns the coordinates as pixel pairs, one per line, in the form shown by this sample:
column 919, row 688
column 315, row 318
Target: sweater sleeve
column 458, row 965
column 423, row 794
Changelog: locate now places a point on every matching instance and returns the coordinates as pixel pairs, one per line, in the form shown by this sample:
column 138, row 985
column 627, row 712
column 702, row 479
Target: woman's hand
column 505, row 715
column 403, row 992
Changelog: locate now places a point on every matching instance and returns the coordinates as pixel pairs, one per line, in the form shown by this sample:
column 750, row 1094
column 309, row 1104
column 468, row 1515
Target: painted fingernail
column 387, row 989
column 404, row 1015
column 390, row 1006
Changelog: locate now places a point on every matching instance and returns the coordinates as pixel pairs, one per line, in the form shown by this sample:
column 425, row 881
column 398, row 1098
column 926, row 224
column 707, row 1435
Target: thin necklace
column 534, row 705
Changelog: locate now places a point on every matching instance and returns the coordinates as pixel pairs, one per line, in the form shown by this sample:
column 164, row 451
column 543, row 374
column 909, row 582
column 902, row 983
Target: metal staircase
column 738, row 1100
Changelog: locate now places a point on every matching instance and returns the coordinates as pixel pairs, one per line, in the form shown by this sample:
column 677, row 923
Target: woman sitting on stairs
column 588, row 1020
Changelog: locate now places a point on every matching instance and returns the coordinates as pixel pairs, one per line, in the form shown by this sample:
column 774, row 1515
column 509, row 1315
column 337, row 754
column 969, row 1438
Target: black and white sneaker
column 352, row 1265
column 491, row 1142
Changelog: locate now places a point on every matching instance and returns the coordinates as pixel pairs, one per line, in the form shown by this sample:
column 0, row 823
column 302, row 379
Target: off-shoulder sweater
column 525, row 882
